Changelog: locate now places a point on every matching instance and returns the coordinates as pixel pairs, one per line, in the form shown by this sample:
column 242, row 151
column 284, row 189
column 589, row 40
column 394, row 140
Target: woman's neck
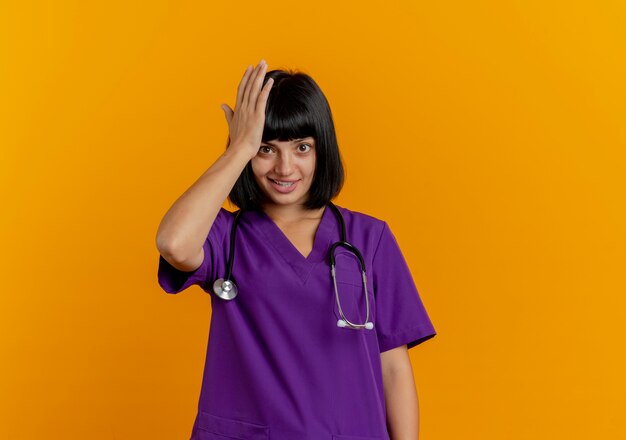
column 287, row 214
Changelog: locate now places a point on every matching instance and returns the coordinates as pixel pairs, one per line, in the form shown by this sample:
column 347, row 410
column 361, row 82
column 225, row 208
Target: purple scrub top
column 277, row 366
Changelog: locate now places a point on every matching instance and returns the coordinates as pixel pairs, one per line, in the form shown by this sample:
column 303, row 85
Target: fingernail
column 262, row 61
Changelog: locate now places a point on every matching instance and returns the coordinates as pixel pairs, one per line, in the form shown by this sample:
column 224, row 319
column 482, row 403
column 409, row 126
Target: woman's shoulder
column 361, row 220
column 225, row 215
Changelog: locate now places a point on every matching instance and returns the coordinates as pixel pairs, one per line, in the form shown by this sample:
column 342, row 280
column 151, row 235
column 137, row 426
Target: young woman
column 295, row 351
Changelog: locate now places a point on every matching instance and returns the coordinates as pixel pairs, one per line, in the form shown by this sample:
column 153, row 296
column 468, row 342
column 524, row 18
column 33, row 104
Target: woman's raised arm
column 187, row 223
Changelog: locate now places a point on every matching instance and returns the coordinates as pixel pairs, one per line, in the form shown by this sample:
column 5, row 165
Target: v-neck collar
column 286, row 249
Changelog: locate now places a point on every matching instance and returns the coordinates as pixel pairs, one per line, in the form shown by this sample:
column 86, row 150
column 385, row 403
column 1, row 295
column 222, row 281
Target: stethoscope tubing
column 226, row 288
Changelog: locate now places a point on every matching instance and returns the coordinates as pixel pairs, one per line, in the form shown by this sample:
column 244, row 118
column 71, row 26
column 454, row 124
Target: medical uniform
column 278, row 367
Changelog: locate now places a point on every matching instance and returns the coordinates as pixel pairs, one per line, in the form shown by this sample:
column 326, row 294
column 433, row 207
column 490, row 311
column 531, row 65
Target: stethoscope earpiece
column 367, row 325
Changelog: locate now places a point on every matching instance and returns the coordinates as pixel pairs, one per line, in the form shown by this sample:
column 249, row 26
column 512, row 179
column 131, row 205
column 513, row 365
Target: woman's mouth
column 283, row 187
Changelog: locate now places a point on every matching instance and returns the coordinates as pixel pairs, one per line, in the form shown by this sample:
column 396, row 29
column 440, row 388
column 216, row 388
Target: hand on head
column 246, row 122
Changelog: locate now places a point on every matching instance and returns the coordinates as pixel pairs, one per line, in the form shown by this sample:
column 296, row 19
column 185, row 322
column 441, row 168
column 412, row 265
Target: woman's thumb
column 227, row 112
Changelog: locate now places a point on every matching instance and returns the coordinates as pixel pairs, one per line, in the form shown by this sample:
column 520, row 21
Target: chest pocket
column 352, row 296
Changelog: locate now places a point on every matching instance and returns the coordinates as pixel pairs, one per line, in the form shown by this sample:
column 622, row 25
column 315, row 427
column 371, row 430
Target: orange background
column 489, row 135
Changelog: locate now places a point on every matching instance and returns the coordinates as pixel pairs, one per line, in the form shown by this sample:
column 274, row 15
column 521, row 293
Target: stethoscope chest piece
column 225, row 289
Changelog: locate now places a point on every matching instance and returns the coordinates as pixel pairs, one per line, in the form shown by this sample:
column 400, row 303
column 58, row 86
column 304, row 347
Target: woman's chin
column 284, row 199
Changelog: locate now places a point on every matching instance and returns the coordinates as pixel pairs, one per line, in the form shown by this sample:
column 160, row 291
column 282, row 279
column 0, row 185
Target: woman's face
column 291, row 161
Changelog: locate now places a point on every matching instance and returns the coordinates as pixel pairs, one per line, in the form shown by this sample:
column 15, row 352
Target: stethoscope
column 227, row 289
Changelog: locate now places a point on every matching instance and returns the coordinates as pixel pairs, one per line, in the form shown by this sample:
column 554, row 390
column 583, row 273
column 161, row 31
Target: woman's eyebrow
column 293, row 141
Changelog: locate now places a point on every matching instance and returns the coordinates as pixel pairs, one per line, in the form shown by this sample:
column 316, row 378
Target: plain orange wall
column 489, row 135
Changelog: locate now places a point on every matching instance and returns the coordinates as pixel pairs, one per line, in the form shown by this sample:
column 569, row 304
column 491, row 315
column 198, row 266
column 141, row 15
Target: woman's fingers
column 256, row 85
column 261, row 102
column 242, row 86
column 246, row 121
column 247, row 99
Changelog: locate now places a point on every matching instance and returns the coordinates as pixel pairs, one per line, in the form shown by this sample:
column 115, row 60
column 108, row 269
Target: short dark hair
column 297, row 108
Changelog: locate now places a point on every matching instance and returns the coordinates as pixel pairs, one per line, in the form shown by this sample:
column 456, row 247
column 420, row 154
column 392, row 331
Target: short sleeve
column 173, row 280
column 400, row 314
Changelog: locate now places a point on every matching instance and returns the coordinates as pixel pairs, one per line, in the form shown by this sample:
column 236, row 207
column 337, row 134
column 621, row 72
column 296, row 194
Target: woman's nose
column 284, row 165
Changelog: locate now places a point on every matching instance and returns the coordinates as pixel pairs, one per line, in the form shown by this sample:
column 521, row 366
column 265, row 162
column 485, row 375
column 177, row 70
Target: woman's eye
column 267, row 149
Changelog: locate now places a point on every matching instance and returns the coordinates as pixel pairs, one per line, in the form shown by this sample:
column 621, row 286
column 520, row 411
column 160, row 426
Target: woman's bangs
column 286, row 122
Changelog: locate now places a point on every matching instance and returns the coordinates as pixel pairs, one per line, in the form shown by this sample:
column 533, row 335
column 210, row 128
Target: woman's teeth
column 282, row 183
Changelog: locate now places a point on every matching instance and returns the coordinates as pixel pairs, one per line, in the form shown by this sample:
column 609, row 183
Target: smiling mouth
column 285, row 183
